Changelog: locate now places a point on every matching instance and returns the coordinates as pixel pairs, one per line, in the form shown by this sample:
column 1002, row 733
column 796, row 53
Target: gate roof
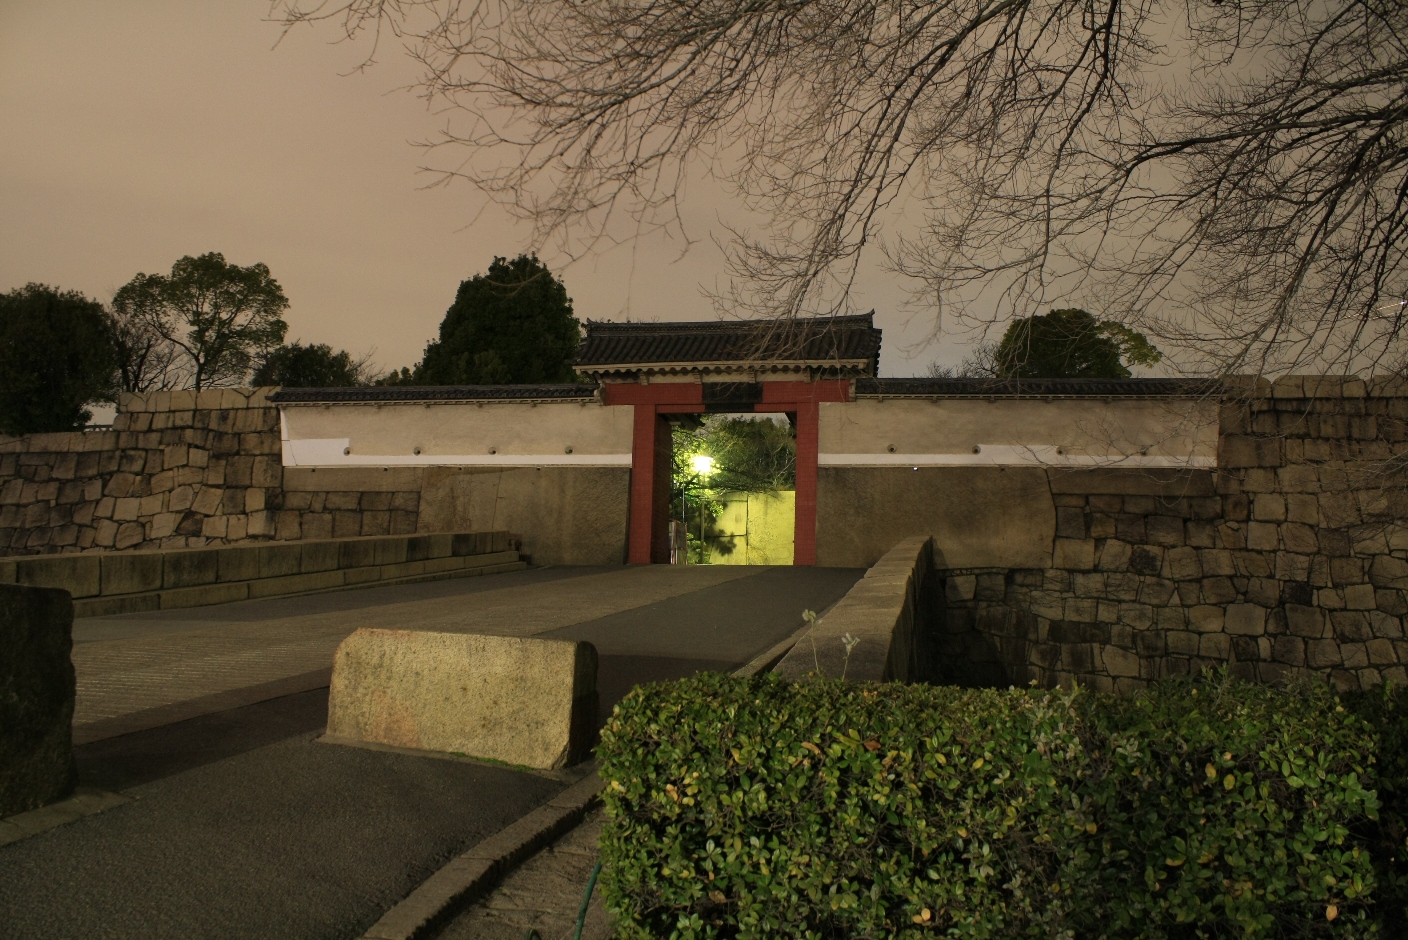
column 825, row 347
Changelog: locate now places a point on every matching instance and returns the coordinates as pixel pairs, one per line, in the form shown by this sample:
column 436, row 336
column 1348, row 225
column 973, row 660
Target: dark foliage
column 311, row 366
column 759, row 808
column 1070, row 344
column 513, row 325
column 218, row 316
column 56, row 356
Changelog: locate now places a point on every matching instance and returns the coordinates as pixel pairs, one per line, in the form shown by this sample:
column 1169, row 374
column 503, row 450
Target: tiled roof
column 851, row 343
column 1033, row 388
column 294, row 396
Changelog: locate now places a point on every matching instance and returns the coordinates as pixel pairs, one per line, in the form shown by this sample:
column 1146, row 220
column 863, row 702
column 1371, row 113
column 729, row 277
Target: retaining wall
column 193, row 470
column 104, row 583
column 1291, row 557
column 885, row 620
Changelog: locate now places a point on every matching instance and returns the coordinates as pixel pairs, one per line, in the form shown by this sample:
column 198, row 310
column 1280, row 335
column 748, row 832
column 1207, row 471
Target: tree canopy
column 750, row 456
column 1230, row 176
column 1071, row 344
column 218, row 316
column 313, row 366
column 511, row 325
column 56, row 357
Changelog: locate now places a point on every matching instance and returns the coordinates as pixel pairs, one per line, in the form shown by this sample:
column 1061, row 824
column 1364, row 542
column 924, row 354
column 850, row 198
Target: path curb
column 473, row 874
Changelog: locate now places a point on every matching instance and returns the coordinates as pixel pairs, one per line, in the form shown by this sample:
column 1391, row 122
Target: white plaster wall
column 488, row 434
column 1019, row 432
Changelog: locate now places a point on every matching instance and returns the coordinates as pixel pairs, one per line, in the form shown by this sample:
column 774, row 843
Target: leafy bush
column 755, row 808
column 1385, row 709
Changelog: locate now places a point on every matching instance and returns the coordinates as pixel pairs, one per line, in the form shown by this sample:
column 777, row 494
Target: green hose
column 581, row 912
column 586, row 899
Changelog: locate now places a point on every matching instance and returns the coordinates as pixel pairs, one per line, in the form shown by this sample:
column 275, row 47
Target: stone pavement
column 544, row 894
column 654, row 622
column 239, row 824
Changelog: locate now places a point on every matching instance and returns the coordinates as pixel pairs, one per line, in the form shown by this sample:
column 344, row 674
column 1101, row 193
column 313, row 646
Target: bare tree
column 146, row 360
column 1230, row 175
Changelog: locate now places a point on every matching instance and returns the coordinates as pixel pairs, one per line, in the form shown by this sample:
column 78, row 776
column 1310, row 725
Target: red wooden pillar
column 648, row 538
column 804, row 526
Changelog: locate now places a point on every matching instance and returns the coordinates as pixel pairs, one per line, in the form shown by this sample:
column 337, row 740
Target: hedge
column 756, row 808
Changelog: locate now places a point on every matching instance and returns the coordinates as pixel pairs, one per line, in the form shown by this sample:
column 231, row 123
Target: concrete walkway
column 242, row 825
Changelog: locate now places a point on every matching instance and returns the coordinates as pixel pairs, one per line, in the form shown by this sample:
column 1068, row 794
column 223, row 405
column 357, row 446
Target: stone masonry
column 1292, row 557
column 178, row 470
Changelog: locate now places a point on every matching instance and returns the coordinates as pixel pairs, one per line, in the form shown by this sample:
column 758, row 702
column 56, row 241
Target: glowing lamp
column 703, row 464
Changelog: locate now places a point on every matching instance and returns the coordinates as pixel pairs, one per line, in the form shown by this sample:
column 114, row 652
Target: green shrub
column 755, row 808
column 1385, row 709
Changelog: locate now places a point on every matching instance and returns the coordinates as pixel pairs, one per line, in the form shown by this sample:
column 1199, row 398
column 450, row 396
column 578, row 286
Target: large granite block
column 521, row 701
column 36, row 697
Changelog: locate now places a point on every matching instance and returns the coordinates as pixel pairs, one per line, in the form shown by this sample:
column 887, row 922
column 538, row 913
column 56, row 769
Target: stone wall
column 191, row 470
column 176, row 470
column 1291, row 557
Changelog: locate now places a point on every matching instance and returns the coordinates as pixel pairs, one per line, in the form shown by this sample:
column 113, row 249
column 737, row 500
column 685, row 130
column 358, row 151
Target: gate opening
column 733, row 481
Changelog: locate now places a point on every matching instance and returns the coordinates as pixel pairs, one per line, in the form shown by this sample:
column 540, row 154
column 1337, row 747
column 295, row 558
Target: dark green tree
column 1071, row 344
column 513, row 325
column 218, row 316
column 56, row 356
column 311, row 366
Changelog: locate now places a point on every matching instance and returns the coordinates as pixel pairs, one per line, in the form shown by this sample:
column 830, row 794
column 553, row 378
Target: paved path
column 545, row 895
column 242, row 825
column 135, row 662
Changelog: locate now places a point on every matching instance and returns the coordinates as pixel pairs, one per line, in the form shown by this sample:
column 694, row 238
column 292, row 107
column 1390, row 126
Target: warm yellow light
column 703, row 464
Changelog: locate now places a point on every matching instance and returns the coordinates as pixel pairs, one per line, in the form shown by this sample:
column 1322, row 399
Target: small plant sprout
column 810, row 617
column 850, row 643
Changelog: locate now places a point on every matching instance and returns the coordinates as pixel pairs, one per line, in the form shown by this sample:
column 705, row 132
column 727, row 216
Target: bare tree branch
column 1228, row 175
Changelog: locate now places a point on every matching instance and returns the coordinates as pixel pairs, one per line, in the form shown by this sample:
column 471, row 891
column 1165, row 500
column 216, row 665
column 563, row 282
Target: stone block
column 1389, row 572
column 1388, row 626
column 1215, row 646
column 204, row 595
column 346, row 524
column 1269, row 507
column 186, row 569
column 1360, row 597
column 1074, row 554
column 79, row 575
column 207, row 501
column 1323, row 654
column 1236, row 451
column 1183, row 564
column 1351, row 625
column 37, row 689
column 296, row 584
column 1206, row 618
column 1262, row 536
column 960, row 587
column 318, row 556
column 1300, row 537
column 357, row 553
column 1164, row 530
column 1119, row 662
column 1182, row 643
column 130, row 572
column 316, row 525
column 240, row 563
column 528, row 702
column 1217, row 562
column 1218, row 591
column 280, row 560
column 1356, row 655
column 1381, row 652
column 1245, row 619
column 1289, row 650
